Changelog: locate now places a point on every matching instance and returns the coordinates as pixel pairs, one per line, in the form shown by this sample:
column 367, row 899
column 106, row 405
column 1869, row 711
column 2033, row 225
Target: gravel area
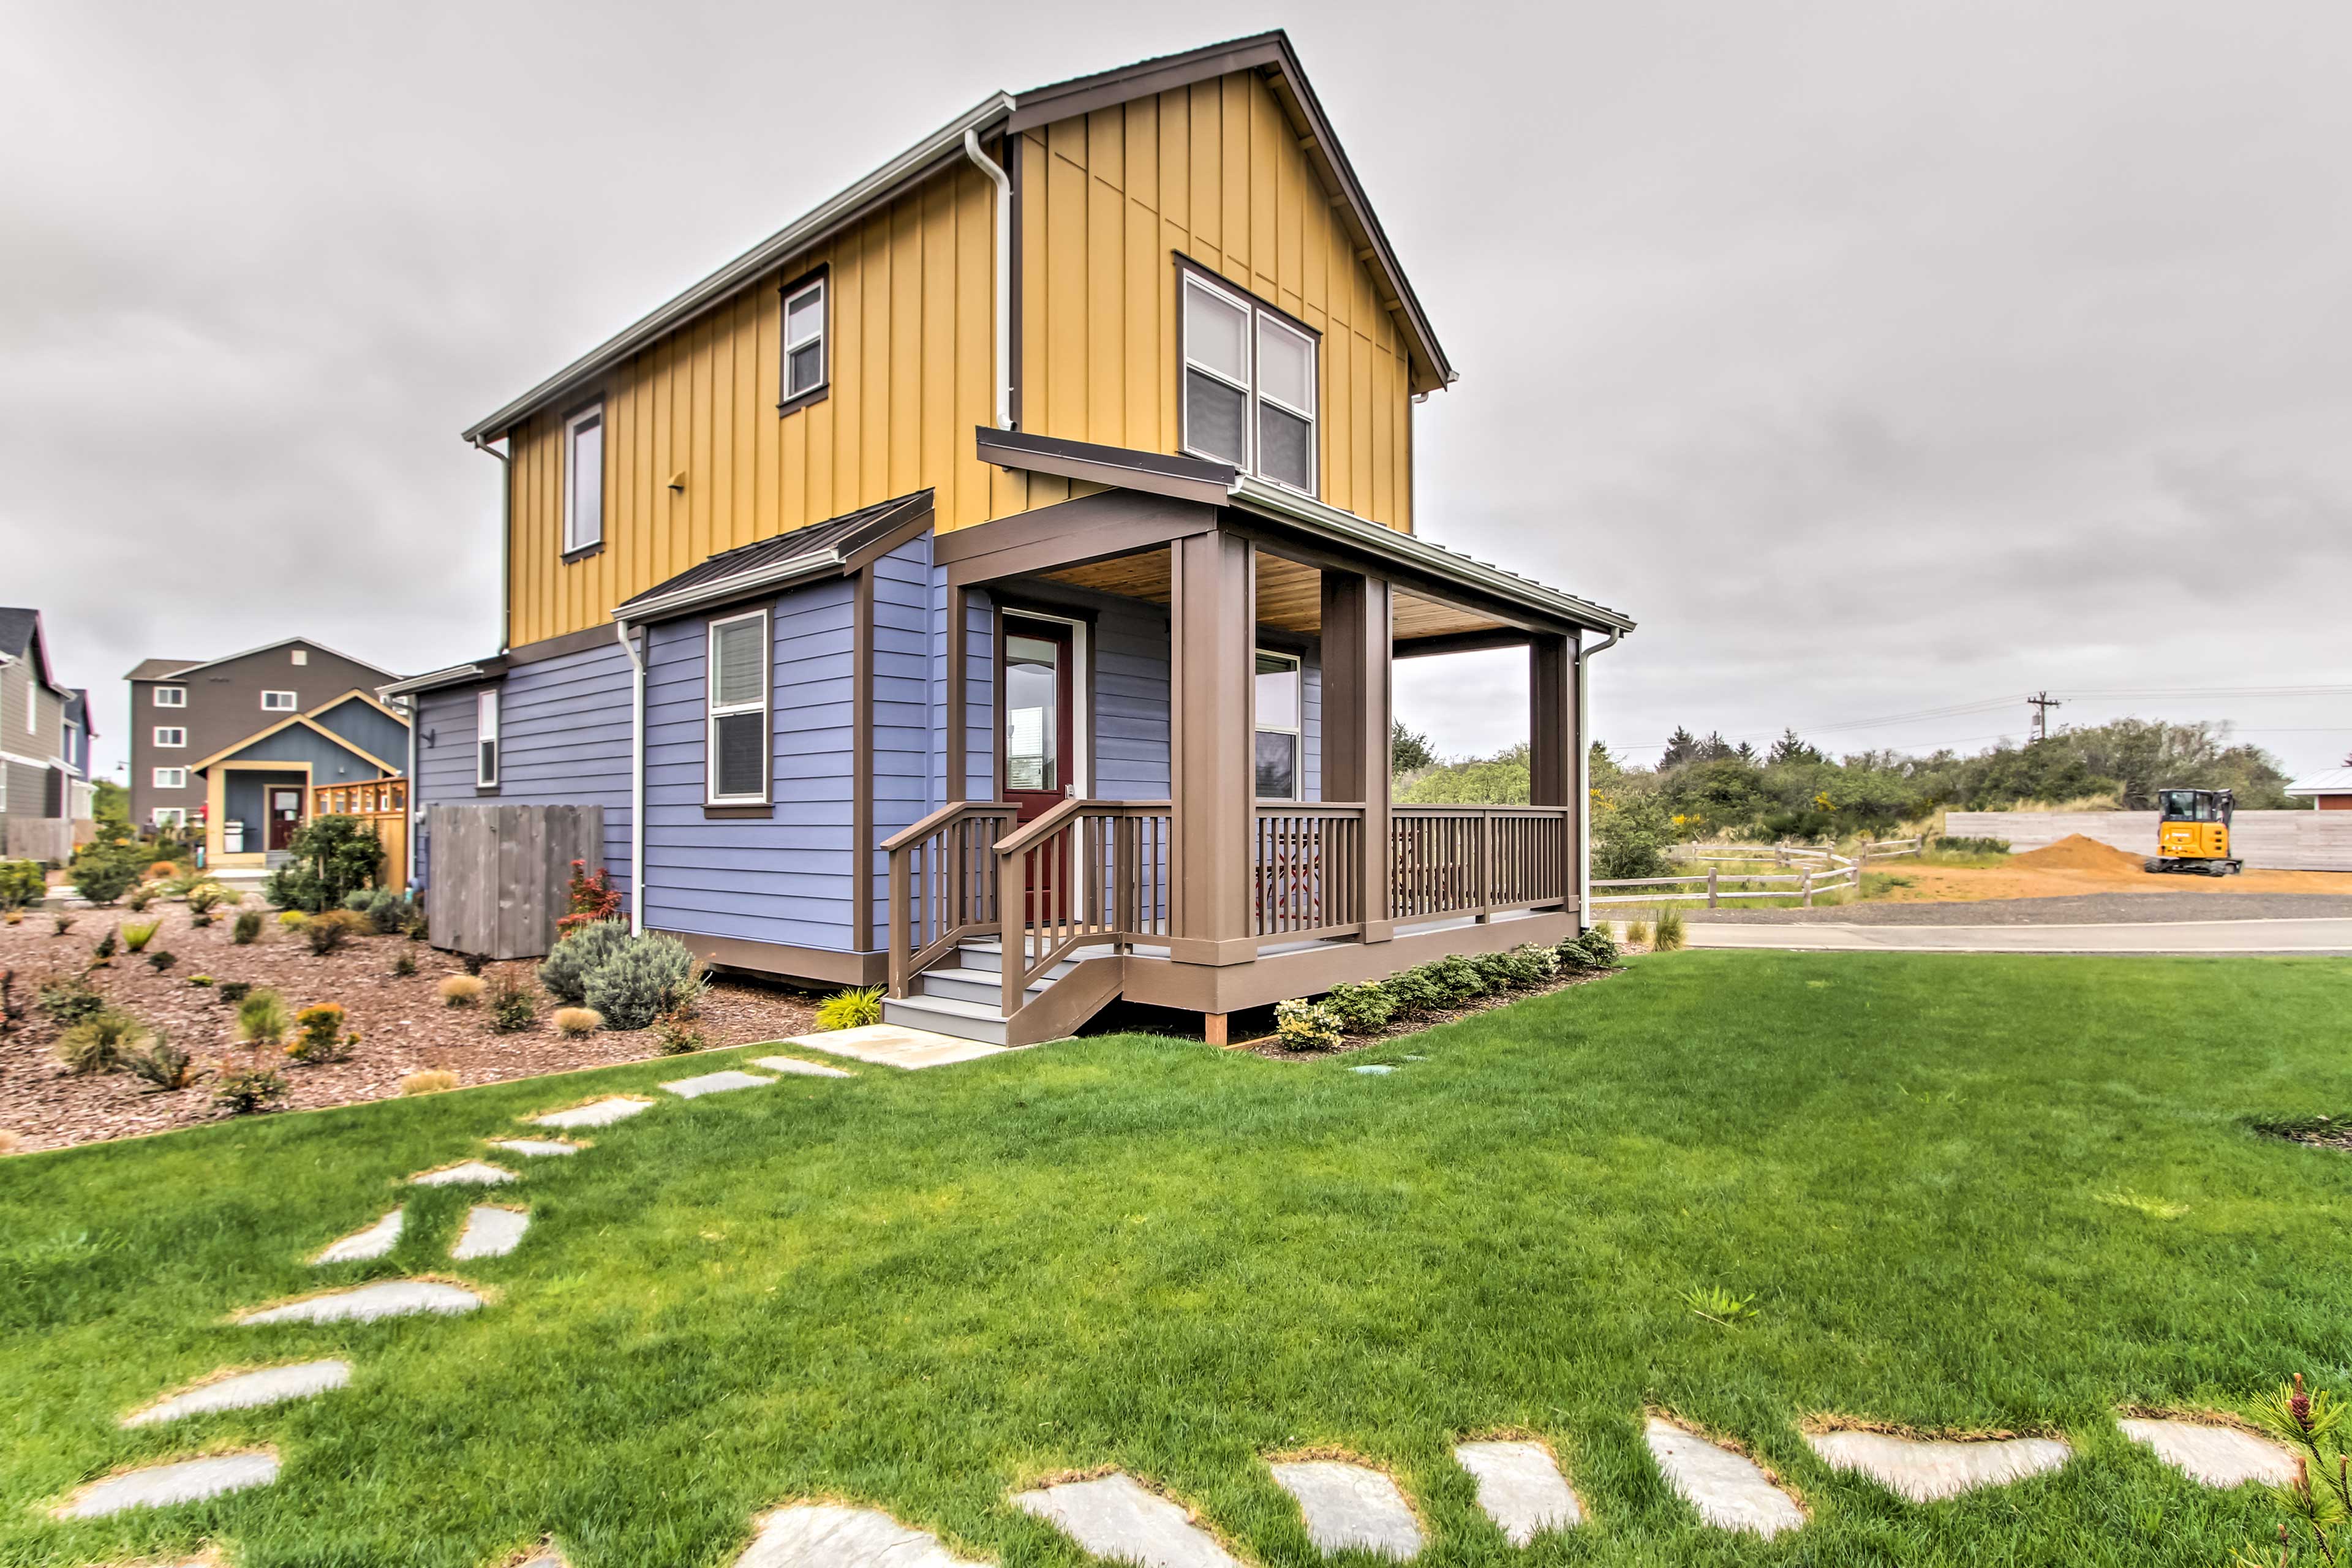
column 2084, row 909
column 402, row 1025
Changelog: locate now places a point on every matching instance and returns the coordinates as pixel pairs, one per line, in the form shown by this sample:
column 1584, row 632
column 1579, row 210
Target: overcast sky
column 1880, row 359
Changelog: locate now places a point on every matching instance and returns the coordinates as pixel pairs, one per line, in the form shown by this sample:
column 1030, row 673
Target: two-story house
column 44, row 739
column 989, row 584
column 237, row 744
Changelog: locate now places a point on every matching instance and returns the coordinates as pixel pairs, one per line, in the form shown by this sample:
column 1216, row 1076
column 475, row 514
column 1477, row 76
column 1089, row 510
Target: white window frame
column 177, row 815
column 582, row 533
column 786, row 397
column 171, row 737
column 486, row 762
column 292, row 703
column 171, row 697
column 1258, row 317
column 713, row 710
column 1296, row 730
column 169, row 778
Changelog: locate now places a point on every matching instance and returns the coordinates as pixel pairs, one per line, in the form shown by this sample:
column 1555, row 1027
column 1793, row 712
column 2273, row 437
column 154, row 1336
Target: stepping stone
column 833, row 1535
column 1521, row 1488
column 720, row 1082
column 157, row 1486
column 2218, row 1457
column 1116, row 1517
column 1351, row 1508
column 1730, row 1490
column 545, row 1557
column 534, row 1148
column 465, row 1174
column 391, row 1299
column 807, row 1070
column 595, row 1113
column 247, row 1390
column 893, row 1046
column 1373, row 1067
column 374, row 1242
column 491, row 1232
column 1928, row 1471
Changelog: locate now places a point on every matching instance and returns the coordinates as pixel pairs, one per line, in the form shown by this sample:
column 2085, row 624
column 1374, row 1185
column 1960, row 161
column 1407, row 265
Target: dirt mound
column 2077, row 853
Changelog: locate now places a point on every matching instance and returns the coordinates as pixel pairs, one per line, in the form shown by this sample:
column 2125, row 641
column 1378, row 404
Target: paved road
column 2080, row 908
column 2242, row 936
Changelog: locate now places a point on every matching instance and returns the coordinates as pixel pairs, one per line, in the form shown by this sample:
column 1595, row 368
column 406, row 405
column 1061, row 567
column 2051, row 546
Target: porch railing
column 1453, row 860
column 943, row 884
column 1307, row 871
column 1087, row 871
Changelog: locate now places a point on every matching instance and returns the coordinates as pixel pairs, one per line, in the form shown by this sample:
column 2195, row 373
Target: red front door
column 285, row 816
column 1039, row 756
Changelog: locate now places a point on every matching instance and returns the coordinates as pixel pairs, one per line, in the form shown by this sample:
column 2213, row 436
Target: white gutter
column 636, row 778
column 506, row 541
column 410, row 706
column 1584, row 781
column 1003, row 184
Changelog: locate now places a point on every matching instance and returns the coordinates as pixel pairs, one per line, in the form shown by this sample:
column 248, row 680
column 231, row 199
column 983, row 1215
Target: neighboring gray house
column 44, row 738
column 237, row 744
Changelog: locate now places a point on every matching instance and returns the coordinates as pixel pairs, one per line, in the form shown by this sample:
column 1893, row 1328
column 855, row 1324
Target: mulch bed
column 1273, row 1050
column 402, row 1025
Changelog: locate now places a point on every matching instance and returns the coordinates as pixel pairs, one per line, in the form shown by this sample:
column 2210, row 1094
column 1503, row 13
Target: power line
column 2041, row 702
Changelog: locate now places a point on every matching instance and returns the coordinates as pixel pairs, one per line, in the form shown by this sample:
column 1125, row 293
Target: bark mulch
column 402, row 1025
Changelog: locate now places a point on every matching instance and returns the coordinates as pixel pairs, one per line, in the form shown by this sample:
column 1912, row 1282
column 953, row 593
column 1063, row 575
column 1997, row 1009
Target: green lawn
column 1945, row 1181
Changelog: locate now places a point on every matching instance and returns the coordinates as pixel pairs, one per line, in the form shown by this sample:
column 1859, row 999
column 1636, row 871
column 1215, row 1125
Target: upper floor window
column 278, row 702
column 301, row 656
column 170, row 816
column 171, row 697
column 805, row 339
column 584, row 485
column 1281, row 704
column 738, row 738
column 485, row 740
column 1249, row 385
column 171, row 778
column 171, row 736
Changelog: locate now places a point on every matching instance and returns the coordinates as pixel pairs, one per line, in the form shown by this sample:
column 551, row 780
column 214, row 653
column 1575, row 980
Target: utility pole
column 2041, row 702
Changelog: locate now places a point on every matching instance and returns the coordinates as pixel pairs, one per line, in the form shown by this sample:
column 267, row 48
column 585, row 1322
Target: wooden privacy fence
column 383, row 804
column 501, row 874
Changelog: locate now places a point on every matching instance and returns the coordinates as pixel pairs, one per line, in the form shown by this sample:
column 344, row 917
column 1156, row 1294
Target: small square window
column 301, row 656
column 804, row 339
column 278, row 702
column 170, row 817
column 171, row 736
column 171, row 778
column 171, row 697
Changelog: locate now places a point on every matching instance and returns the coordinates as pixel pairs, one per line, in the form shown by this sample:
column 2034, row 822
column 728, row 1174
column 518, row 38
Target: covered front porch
column 1228, row 668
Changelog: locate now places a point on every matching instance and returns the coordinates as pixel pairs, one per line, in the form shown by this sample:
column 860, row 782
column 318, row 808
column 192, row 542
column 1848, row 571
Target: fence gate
column 499, row 873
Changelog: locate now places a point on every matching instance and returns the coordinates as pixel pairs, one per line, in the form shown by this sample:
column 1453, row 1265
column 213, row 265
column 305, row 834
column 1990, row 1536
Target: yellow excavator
column 2193, row 832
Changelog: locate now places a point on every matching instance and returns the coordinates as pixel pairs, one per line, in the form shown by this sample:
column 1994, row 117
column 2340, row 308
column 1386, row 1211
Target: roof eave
column 793, row 569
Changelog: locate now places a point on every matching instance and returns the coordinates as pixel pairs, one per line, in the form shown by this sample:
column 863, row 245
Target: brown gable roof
column 157, row 669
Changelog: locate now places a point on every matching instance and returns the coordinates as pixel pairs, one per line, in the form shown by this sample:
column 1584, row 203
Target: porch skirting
column 1276, row 976
column 822, row 965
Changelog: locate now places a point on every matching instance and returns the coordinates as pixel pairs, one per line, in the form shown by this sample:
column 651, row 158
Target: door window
column 1033, row 708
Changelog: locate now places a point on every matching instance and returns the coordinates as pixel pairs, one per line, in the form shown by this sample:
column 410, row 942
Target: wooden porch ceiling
column 1289, row 595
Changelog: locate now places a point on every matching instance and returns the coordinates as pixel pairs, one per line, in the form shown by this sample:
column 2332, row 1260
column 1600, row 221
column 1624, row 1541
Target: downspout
column 506, row 542
column 412, row 706
column 636, row 777
column 1584, row 781
column 1003, row 184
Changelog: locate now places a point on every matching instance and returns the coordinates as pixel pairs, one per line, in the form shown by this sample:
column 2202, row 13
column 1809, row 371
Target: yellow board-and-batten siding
column 1212, row 170
column 1107, row 199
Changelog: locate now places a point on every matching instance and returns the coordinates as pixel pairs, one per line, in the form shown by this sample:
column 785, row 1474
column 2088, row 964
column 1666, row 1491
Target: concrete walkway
column 2309, row 936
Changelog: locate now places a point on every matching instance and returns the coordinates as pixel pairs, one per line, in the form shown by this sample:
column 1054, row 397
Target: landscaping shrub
column 137, row 900
column 332, row 855
column 1459, row 979
column 200, row 980
column 851, row 1009
column 1593, row 949
column 13, row 1004
column 1532, row 965
column 1416, row 992
column 406, row 964
column 319, row 1036
column 236, row 990
column 433, row 1080
column 514, row 1002
column 650, row 974
column 328, row 931
column 137, row 935
column 462, row 990
column 99, row 1042
column 1637, row 932
column 162, row 1064
column 1361, row 1009
column 1497, row 971
column 21, row 884
column 62, row 921
column 262, row 1018
column 248, row 929
column 105, row 870
column 160, row 961
column 577, row 1023
column 107, row 946
column 1304, row 1026
column 203, row 900
column 565, row 971
column 475, row 963
column 70, row 1001
column 591, row 897
column 387, row 912
column 245, row 1088
column 292, row 919
column 1669, row 936
column 676, row 1035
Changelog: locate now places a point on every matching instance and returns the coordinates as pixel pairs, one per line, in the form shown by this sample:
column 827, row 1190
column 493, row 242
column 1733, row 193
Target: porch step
column 946, row 1016
column 984, row 986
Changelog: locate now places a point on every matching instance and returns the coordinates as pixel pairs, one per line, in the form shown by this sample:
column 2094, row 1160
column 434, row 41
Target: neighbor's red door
column 1039, row 751
column 285, row 816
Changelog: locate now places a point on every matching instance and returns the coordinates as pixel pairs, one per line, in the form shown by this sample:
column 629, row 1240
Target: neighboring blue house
column 979, row 592
column 262, row 784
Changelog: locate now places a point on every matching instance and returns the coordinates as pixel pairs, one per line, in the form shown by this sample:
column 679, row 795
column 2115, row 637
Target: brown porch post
column 959, row 640
column 1356, row 709
column 1553, row 735
column 1211, row 615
